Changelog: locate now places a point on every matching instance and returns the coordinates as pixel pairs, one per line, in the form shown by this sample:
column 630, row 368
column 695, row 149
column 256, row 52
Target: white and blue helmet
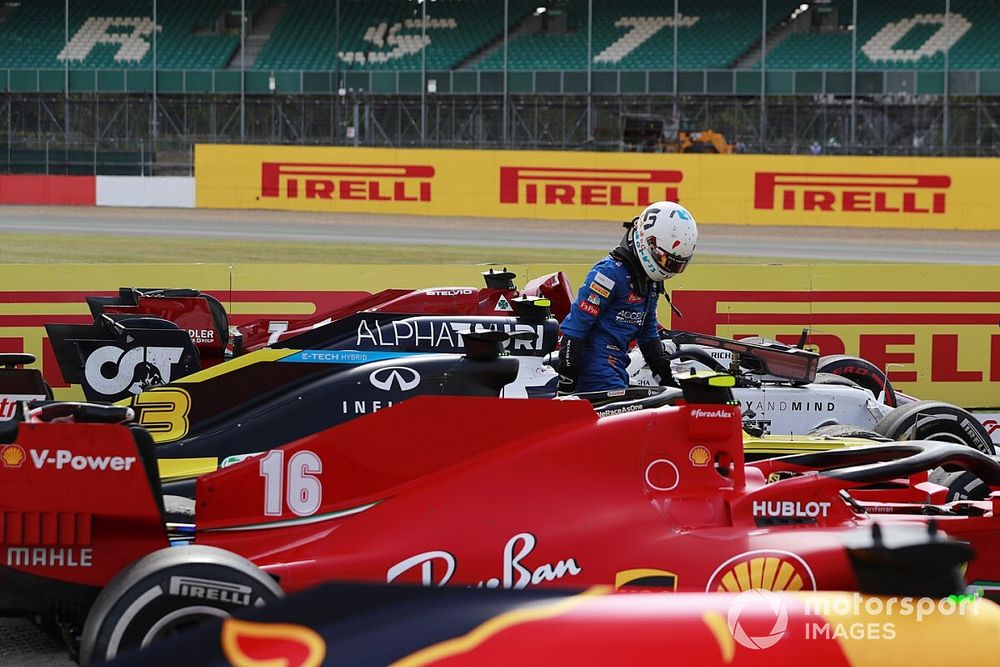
column 664, row 237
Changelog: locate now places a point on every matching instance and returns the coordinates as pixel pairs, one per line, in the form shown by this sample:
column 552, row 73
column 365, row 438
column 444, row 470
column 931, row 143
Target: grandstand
column 310, row 67
column 468, row 34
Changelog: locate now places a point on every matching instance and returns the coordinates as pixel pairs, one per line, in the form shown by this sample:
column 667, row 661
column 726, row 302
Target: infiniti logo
column 394, row 376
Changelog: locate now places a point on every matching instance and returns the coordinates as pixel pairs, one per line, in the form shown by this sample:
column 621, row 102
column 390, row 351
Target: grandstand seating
column 386, row 35
column 638, row 34
column 33, row 35
column 891, row 34
column 380, row 34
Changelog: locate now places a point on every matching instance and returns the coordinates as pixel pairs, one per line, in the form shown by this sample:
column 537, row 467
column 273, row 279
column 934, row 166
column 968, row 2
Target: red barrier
column 49, row 190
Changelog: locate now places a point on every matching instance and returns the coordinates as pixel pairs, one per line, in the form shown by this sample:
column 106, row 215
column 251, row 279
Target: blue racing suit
column 608, row 314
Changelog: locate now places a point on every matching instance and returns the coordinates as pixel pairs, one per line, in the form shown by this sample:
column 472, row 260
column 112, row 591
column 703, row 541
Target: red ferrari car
column 461, row 491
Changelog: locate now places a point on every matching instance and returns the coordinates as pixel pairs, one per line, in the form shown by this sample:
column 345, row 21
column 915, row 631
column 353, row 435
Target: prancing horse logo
column 401, row 376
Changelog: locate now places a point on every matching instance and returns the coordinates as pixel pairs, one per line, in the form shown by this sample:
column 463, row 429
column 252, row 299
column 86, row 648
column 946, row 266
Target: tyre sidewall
column 170, row 587
column 864, row 373
column 923, row 420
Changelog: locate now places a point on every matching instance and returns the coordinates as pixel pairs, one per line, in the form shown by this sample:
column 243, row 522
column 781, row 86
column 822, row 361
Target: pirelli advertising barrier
column 931, row 193
column 933, row 327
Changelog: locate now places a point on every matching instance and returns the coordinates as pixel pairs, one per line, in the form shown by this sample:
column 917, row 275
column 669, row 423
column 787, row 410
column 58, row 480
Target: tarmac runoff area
column 809, row 243
column 23, row 645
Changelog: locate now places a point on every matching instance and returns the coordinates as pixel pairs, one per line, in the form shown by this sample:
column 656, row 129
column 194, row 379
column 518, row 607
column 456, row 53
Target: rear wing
column 788, row 363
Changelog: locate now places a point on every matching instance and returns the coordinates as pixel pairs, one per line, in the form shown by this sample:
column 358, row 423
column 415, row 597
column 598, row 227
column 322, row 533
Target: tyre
column 846, row 431
column 934, row 420
column 962, row 485
column 863, row 373
column 168, row 591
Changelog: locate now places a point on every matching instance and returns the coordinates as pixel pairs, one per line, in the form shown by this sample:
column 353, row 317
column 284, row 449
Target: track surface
column 818, row 243
column 21, row 644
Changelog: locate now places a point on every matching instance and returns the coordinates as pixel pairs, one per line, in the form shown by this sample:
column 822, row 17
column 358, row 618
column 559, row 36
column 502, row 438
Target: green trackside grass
column 19, row 248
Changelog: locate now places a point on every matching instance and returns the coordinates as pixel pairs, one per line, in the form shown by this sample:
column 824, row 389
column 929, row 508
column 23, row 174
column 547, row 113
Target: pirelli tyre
column 863, row 373
column 168, row 591
column 934, row 420
column 962, row 485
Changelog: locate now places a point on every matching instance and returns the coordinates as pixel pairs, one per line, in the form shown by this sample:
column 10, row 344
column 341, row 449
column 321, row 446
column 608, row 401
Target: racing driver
column 617, row 302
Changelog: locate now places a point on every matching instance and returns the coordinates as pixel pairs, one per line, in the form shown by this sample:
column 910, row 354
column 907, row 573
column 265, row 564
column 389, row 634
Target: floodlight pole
column 423, row 73
column 65, row 74
column 763, row 75
column 243, row 70
column 854, row 75
column 676, row 117
column 155, row 127
column 590, row 72
column 947, row 87
column 506, row 8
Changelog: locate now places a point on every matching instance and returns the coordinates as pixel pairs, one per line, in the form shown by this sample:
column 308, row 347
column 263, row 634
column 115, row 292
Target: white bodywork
column 780, row 408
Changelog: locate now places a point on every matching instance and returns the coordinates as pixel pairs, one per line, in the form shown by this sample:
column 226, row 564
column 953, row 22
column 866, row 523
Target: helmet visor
column 667, row 261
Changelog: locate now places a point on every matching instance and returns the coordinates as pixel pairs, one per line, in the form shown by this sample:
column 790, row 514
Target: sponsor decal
column 698, row 413
column 789, row 406
column 633, row 298
column 199, row 336
column 346, row 182
column 250, row 644
column 645, row 579
column 133, row 370
column 620, row 411
column 789, row 509
column 341, row 356
column 12, row 456
column 602, row 279
column 662, row 475
column 437, row 333
column 594, row 299
column 363, row 407
column 236, row 458
column 208, row 589
column 394, row 377
column 504, row 305
column 636, row 317
column 589, row 308
column 600, row 290
column 587, row 187
column 700, row 456
column 459, row 291
column 868, row 193
column 775, row 477
column 64, row 458
column 50, row 557
column 8, row 408
column 764, row 569
column 436, row 568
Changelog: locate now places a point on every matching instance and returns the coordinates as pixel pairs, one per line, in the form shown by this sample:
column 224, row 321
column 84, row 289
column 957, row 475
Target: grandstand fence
column 146, row 120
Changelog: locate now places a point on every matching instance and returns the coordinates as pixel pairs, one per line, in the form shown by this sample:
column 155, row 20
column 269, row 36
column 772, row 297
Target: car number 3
column 295, row 485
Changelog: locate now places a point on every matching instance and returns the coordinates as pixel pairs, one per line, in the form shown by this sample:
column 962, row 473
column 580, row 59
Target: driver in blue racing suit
column 617, row 302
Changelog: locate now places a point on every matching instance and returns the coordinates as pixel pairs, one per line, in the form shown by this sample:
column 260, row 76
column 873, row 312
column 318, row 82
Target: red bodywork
column 547, row 495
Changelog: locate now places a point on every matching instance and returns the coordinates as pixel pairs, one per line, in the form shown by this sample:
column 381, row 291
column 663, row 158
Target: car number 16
column 300, row 489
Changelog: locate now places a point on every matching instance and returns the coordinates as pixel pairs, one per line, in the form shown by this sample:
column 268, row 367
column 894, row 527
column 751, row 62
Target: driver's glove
column 658, row 362
column 570, row 353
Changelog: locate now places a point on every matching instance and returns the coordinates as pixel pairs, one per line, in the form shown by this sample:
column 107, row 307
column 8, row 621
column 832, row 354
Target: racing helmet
column 664, row 237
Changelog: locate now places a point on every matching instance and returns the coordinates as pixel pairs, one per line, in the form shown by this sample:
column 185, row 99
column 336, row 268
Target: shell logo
column 248, row 644
column 699, row 456
column 768, row 570
column 12, row 456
